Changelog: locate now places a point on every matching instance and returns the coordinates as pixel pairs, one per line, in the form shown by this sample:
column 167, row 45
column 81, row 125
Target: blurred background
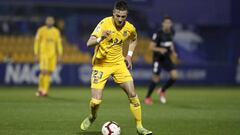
column 207, row 39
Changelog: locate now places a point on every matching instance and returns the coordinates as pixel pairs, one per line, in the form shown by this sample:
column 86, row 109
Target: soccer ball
column 111, row 128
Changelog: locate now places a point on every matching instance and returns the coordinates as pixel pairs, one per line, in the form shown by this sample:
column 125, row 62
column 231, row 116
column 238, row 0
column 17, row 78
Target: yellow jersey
column 48, row 42
column 110, row 50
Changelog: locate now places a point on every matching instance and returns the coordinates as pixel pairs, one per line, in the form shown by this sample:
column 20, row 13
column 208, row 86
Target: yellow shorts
column 100, row 75
column 48, row 63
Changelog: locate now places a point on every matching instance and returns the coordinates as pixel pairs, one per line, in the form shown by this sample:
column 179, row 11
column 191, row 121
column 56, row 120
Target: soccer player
column 164, row 57
column 108, row 60
column 48, row 50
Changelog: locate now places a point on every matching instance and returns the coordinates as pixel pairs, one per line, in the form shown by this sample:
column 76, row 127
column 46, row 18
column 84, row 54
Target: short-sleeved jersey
column 48, row 41
column 163, row 39
column 110, row 49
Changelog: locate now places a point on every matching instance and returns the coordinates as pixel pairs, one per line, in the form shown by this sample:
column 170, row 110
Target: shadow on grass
column 89, row 133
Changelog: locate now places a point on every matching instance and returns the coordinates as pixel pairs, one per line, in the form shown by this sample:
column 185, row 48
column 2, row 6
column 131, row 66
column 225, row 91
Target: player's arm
column 98, row 35
column 59, row 47
column 153, row 45
column 174, row 56
column 173, row 50
column 37, row 42
column 131, row 48
column 92, row 41
column 95, row 39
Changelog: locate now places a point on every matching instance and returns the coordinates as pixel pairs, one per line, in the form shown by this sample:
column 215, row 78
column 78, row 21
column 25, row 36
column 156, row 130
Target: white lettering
column 25, row 73
column 11, row 73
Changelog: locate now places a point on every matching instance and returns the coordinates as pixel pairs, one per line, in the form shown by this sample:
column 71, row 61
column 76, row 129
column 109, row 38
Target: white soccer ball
column 111, row 128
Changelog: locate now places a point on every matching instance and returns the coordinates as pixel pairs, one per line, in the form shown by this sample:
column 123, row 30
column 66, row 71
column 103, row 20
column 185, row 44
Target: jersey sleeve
column 37, row 41
column 98, row 30
column 133, row 33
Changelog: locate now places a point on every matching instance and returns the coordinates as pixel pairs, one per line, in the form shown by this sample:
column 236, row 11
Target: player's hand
column 174, row 58
column 59, row 59
column 174, row 54
column 162, row 50
column 36, row 57
column 106, row 33
column 128, row 61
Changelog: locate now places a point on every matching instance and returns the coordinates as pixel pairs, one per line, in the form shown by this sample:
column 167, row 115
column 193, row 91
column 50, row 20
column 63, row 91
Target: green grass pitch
column 189, row 111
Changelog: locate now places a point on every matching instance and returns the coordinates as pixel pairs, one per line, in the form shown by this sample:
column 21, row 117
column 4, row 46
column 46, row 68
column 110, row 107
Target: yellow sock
column 135, row 107
column 41, row 82
column 46, row 83
column 94, row 105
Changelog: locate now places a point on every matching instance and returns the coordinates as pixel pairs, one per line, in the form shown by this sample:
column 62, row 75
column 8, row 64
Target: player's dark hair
column 166, row 18
column 121, row 5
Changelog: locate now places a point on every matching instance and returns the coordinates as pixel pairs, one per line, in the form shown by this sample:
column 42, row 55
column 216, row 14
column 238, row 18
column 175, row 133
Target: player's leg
column 47, row 67
column 51, row 66
column 41, row 83
column 43, row 62
column 171, row 81
column 151, row 87
column 46, row 81
column 95, row 102
column 170, row 67
column 135, row 106
column 40, row 80
column 93, row 105
column 98, row 80
column 122, row 76
column 154, row 81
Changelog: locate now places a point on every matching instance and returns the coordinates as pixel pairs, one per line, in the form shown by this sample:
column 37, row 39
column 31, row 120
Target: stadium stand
column 19, row 49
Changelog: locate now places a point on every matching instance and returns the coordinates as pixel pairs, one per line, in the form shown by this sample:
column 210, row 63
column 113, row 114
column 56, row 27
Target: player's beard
column 49, row 25
column 119, row 24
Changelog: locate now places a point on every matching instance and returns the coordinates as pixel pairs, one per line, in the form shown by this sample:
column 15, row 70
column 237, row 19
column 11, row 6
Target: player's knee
column 50, row 72
column 131, row 94
column 174, row 78
column 43, row 72
column 174, row 75
column 46, row 72
column 156, row 79
column 95, row 102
